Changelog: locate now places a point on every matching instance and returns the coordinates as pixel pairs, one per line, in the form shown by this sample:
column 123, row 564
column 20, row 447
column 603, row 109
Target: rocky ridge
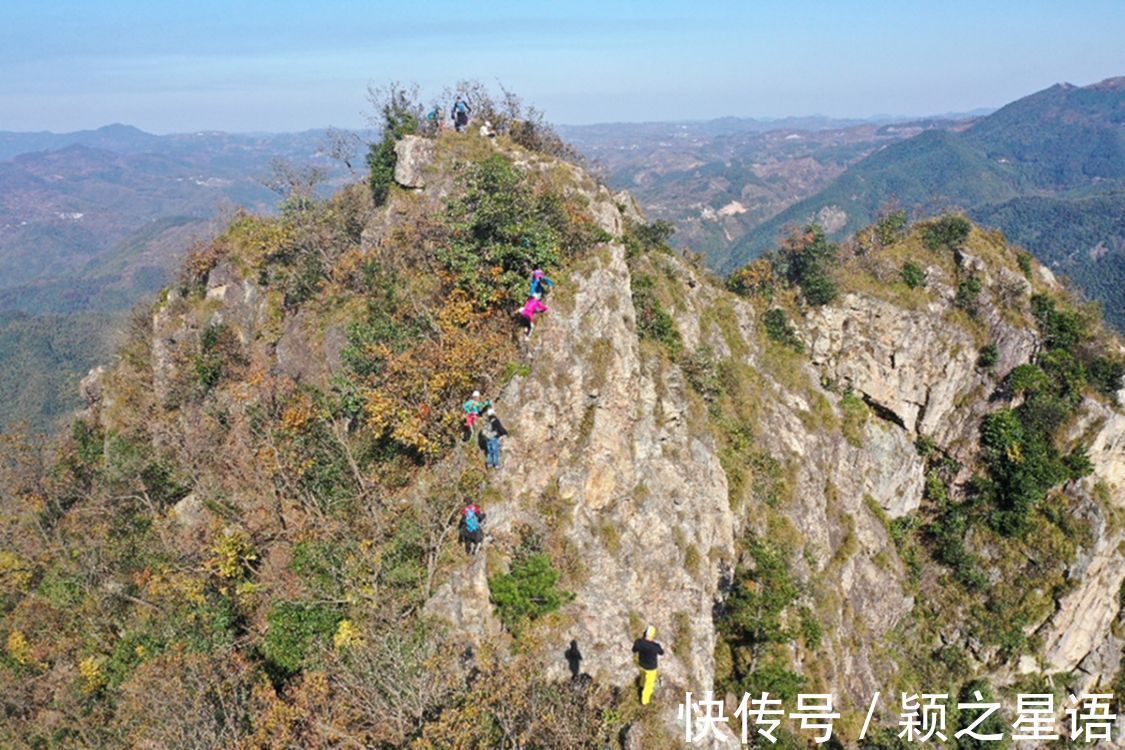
column 614, row 456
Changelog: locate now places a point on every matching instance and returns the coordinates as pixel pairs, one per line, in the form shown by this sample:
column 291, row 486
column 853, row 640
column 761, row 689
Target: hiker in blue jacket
column 540, row 284
column 460, row 113
column 472, row 531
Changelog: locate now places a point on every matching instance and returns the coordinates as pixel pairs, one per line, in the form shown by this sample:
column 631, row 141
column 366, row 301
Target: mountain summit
column 895, row 465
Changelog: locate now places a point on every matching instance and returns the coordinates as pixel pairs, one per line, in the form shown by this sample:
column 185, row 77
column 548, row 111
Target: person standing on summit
column 460, row 113
column 647, row 651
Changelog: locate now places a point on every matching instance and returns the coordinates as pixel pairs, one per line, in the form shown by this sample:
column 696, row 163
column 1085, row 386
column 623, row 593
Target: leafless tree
column 292, row 182
column 343, row 146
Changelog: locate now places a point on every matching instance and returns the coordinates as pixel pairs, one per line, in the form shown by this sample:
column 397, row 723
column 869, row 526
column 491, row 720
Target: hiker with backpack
column 647, row 651
column 530, row 309
column 434, row 121
column 474, row 407
column 540, row 284
column 491, row 432
column 472, row 527
column 460, row 113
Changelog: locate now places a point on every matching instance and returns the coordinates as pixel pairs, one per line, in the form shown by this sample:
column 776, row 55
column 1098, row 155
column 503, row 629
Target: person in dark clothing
column 574, row 660
column 490, row 435
column 460, row 114
column 647, row 651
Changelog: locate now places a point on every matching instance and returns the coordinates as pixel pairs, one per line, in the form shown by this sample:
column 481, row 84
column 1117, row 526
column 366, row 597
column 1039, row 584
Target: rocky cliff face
column 611, row 436
column 617, row 456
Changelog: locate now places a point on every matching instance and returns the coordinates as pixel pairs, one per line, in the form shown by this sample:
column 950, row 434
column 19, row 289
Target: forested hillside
column 890, row 465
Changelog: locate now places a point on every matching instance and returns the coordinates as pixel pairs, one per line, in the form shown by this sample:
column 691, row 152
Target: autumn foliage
column 229, row 550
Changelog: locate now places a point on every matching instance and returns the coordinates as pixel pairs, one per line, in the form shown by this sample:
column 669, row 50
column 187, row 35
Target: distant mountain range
column 92, row 221
column 110, row 210
column 719, row 180
column 1048, row 169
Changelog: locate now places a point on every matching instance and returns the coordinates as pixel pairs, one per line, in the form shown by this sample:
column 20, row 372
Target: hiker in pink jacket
column 529, row 310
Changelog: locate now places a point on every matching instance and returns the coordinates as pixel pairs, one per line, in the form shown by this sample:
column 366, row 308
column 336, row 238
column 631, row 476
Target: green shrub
column 500, row 232
column 775, row 678
column 527, row 592
column 758, row 617
column 381, row 162
column 994, row 724
column 808, row 258
column 778, row 329
column 1022, row 463
column 926, row 446
column 1023, row 259
column 514, row 370
column 369, row 340
column 948, row 232
column 1105, row 373
column 948, row 532
column 295, row 628
column 901, row 529
column 89, row 442
column 203, row 625
column 913, row 274
column 319, row 564
column 218, row 351
column 968, row 292
column 404, row 558
column 303, row 278
column 812, row 633
column 644, row 238
column 1065, row 372
column 1019, row 446
column 987, row 357
column 770, row 480
column 891, row 228
column 755, row 611
column 653, row 321
column 1061, row 328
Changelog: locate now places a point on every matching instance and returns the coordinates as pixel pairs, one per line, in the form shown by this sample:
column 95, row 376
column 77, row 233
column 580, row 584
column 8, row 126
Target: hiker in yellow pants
column 647, row 651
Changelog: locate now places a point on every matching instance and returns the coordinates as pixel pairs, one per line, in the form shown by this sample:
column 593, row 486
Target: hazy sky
column 282, row 65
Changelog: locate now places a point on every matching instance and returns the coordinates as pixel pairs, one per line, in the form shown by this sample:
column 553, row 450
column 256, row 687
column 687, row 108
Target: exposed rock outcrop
column 413, row 154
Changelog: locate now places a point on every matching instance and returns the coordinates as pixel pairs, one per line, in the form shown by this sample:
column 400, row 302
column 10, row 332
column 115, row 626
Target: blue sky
column 282, row 65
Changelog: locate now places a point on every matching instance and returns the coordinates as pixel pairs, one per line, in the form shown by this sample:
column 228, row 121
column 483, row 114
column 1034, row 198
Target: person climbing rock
column 472, row 527
column 540, row 284
column 474, row 407
column 647, row 651
column 460, row 114
column 530, row 309
column 491, row 432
